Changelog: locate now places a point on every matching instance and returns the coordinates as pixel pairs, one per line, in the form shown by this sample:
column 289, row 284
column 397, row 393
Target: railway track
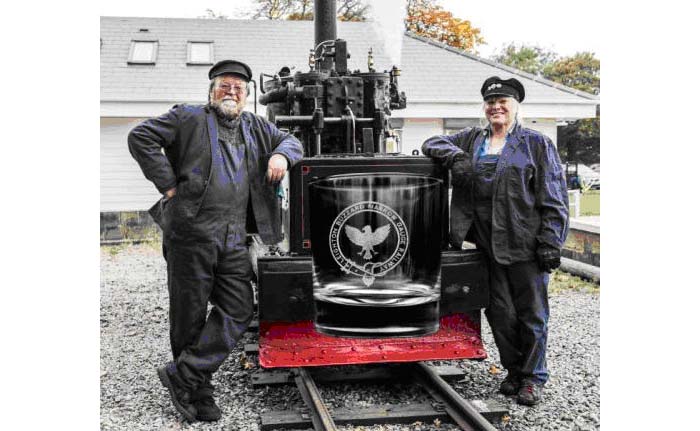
column 446, row 404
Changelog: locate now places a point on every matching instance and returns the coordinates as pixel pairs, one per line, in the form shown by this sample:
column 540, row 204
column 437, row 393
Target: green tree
column 578, row 141
column 531, row 59
column 581, row 71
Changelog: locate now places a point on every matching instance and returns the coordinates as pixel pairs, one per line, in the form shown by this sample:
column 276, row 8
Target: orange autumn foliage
column 427, row 19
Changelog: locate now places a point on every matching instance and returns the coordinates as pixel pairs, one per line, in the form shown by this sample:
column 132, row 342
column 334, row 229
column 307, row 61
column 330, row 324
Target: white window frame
column 132, row 49
column 189, row 52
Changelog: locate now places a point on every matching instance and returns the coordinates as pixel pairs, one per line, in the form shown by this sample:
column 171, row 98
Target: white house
column 149, row 64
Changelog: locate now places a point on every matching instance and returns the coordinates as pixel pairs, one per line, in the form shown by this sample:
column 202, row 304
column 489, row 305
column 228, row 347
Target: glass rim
column 328, row 182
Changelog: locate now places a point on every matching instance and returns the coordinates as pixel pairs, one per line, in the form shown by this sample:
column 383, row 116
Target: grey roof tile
column 431, row 72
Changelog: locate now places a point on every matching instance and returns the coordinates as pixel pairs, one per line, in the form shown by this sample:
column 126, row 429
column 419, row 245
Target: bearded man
column 217, row 167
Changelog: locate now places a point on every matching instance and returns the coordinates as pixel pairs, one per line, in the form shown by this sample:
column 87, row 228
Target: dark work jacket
column 530, row 200
column 187, row 134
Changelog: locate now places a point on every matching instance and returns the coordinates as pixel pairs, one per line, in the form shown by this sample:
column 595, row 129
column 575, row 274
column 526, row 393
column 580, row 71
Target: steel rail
column 460, row 410
column 320, row 416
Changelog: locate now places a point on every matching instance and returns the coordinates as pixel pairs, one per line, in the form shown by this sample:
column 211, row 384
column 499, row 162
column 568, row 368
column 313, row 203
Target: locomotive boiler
column 367, row 275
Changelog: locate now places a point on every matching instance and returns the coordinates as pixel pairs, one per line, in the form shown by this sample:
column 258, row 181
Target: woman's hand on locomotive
column 548, row 257
column 276, row 168
column 461, row 170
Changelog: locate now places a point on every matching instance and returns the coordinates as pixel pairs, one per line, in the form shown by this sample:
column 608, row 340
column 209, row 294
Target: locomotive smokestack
column 325, row 20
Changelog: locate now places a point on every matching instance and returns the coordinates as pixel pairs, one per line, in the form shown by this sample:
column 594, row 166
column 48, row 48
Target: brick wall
column 583, row 245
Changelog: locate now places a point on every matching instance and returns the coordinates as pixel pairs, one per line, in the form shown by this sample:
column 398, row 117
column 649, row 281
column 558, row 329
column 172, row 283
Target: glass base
column 377, row 321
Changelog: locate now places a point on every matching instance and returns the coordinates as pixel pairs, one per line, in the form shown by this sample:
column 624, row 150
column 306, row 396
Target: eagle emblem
column 367, row 239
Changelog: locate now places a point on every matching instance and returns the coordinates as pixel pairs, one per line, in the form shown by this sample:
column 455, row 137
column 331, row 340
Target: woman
column 510, row 198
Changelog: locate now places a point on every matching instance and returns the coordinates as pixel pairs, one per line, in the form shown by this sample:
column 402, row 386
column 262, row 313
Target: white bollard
column 575, row 202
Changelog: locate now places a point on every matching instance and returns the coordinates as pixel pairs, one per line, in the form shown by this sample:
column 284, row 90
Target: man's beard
column 228, row 109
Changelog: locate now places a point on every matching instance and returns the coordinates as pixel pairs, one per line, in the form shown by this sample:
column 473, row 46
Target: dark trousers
column 518, row 313
column 201, row 272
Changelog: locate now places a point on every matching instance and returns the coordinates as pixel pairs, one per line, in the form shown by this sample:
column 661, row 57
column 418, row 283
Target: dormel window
column 143, row 52
column 200, row 52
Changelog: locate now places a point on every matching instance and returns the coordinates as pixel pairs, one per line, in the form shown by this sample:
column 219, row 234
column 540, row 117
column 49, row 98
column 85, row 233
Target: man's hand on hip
column 170, row 193
column 276, row 168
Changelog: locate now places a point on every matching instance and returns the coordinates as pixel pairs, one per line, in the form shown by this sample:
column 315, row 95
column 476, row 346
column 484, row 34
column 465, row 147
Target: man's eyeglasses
column 235, row 88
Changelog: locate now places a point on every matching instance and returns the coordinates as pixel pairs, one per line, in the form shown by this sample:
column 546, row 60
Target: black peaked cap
column 231, row 67
column 495, row 86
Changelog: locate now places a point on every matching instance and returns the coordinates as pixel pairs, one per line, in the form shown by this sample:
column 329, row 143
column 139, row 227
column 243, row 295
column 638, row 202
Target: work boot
column 180, row 396
column 510, row 385
column 530, row 392
column 203, row 401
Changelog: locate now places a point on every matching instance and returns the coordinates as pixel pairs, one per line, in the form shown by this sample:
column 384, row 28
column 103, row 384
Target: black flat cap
column 231, row 67
column 495, row 86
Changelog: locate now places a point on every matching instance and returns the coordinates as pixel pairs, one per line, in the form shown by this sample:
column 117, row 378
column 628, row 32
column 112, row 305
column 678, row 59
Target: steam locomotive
column 342, row 119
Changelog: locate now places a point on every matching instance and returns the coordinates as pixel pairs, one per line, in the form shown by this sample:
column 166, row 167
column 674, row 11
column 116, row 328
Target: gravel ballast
column 134, row 342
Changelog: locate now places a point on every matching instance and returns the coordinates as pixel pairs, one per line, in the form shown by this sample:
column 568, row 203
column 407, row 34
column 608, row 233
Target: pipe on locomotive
column 325, row 23
column 329, row 108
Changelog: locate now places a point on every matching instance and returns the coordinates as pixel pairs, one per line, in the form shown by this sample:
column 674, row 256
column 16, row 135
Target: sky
column 546, row 23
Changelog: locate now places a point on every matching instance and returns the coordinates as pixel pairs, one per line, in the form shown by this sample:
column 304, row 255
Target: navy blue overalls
column 518, row 308
column 210, row 263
